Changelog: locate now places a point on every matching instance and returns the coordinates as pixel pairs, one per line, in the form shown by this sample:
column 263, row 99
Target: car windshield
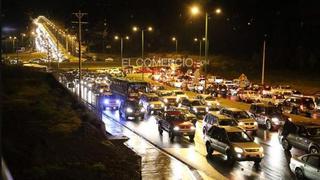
column 179, row 93
column 132, row 104
column 196, row 103
column 210, row 98
column 314, row 132
column 241, row 115
column 239, row 137
column 176, row 118
column 273, row 110
column 227, row 122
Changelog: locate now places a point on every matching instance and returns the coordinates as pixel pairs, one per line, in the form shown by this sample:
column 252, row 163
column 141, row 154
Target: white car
column 108, row 59
column 208, row 99
column 306, row 166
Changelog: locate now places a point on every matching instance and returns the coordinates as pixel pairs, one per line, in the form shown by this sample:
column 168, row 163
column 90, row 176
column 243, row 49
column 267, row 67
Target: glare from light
column 150, row 28
column 116, row 37
column 194, row 10
column 195, row 39
column 127, row 37
column 174, row 39
column 135, row 28
column 218, row 11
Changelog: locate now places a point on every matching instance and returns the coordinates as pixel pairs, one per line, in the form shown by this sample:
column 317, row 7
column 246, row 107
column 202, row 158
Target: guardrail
column 5, row 173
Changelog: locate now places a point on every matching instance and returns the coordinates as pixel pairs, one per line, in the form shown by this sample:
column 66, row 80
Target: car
column 301, row 135
column 180, row 94
column 298, row 105
column 152, row 103
column 195, row 106
column 306, row 166
column 247, row 96
column 208, row 99
column 109, row 59
column 167, row 97
column 268, row 115
column 245, row 121
column 176, row 124
column 213, row 118
column 233, row 142
column 109, row 102
column 131, row 110
column 191, row 117
column 270, row 99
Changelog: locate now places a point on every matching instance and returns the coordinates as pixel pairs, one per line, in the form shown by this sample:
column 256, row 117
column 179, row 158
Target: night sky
column 239, row 30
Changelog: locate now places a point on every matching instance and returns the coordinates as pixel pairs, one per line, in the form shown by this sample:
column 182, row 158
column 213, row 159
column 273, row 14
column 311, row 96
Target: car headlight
column 176, row 128
column 195, row 109
column 289, row 119
column 101, row 91
column 142, row 110
column 261, row 149
column 241, row 123
column 165, row 100
column 152, row 105
column 238, row 150
column 207, row 109
column 255, row 123
column 274, row 119
column 118, row 101
column 106, row 101
column 129, row 110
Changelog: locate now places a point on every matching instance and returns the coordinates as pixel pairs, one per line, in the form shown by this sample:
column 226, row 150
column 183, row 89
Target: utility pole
column 263, row 61
column 79, row 15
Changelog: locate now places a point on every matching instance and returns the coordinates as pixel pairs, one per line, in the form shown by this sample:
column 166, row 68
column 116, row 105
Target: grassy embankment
column 47, row 134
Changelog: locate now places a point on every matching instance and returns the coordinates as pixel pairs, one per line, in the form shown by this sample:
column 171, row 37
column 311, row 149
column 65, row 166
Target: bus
column 128, row 88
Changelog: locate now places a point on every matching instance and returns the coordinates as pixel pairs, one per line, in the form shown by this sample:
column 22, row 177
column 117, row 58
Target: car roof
column 218, row 115
column 234, row 109
column 173, row 113
column 232, row 128
column 151, row 95
column 262, row 104
column 306, row 124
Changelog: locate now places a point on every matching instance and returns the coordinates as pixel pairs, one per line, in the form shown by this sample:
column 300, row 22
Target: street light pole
column 263, row 61
column 121, row 48
column 79, row 15
column 206, row 44
column 176, row 46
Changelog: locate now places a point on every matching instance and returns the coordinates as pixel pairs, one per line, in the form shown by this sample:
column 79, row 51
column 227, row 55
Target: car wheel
column 171, row 135
column 268, row 125
column 285, row 145
column 160, row 129
column 191, row 138
column 299, row 173
column 230, row 157
column 257, row 161
column 314, row 150
column 209, row 149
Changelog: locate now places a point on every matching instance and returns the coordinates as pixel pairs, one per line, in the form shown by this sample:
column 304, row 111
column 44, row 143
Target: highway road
column 275, row 164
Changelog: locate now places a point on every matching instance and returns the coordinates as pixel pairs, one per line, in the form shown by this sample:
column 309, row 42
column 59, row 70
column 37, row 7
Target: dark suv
column 304, row 136
column 176, row 124
column 298, row 104
column 268, row 115
column 131, row 110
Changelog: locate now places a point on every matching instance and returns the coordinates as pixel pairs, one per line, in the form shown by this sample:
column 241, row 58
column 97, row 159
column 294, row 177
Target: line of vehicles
column 227, row 130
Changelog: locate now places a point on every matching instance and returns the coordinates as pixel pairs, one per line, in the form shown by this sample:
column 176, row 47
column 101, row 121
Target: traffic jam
column 179, row 108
